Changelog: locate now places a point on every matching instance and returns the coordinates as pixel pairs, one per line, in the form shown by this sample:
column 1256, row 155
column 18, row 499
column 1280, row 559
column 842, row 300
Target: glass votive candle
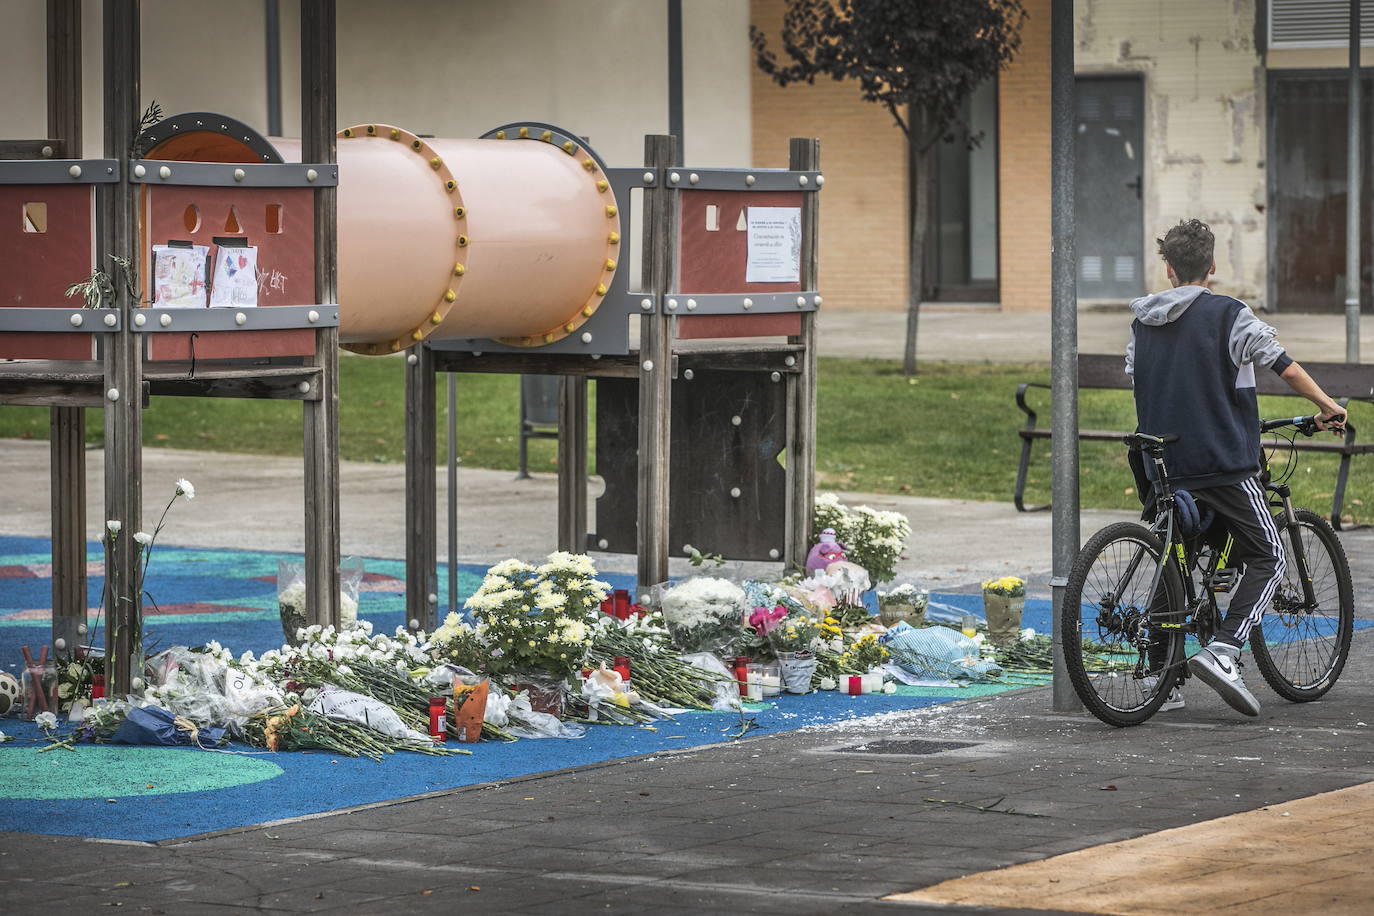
column 754, row 681
column 772, row 679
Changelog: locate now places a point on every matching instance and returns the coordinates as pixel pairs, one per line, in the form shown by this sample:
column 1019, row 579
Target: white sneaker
column 1220, row 670
column 1175, row 700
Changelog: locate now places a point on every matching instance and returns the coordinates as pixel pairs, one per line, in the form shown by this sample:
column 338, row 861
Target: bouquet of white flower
column 538, row 618
column 704, row 614
column 872, row 538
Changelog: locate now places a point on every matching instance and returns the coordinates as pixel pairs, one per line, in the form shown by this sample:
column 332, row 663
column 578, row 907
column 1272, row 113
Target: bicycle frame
column 1201, row 616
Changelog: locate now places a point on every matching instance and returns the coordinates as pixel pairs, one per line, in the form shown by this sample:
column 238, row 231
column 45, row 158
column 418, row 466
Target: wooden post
column 656, row 367
column 804, row 155
column 123, row 362
column 67, row 425
column 321, row 427
column 572, row 464
column 421, row 492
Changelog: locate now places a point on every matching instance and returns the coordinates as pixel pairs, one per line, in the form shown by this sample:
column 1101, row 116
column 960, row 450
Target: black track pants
column 1245, row 508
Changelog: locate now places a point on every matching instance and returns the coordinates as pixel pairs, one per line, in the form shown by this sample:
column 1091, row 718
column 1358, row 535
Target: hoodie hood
column 1162, row 308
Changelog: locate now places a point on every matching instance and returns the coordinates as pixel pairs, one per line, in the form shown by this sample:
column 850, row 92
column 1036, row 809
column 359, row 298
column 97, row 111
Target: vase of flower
column 1003, row 602
column 798, row 668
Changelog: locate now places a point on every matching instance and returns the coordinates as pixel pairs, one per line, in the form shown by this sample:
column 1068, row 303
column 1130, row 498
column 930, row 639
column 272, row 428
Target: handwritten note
column 774, row 245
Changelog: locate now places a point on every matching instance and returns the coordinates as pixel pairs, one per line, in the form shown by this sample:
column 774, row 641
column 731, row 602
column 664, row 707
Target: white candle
column 772, row 685
column 755, row 686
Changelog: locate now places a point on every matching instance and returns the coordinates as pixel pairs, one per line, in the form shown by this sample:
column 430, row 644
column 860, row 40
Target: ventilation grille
column 1317, row 23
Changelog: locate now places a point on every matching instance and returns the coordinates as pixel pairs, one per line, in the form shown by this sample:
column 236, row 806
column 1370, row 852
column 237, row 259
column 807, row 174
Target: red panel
column 713, row 261
column 232, row 344
column 694, row 327
column 286, row 259
column 37, row 267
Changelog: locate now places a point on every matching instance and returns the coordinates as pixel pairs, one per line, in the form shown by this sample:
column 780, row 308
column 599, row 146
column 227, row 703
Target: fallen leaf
column 125, row 884
column 529, row 798
column 426, row 893
column 1109, row 788
column 150, row 785
column 474, row 887
column 161, row 437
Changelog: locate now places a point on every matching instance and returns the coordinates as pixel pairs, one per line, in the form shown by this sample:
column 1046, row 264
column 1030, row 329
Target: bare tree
column 919, row 59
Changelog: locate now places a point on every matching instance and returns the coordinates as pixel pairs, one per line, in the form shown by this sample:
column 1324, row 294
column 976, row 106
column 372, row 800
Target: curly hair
column 1187, row 248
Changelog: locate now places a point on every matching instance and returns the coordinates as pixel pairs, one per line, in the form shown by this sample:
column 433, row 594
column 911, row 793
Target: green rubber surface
column 123, row 772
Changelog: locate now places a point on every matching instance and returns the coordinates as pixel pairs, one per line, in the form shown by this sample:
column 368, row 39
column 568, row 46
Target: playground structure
column 499, row 254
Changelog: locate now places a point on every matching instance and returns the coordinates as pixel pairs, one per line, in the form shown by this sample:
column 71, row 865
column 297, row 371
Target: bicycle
column 1136, row 592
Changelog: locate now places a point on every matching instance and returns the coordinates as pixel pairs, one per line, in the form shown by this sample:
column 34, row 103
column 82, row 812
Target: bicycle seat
column 1145, row 439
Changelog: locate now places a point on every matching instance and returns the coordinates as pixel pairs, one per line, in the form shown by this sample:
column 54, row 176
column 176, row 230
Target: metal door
column 1308, row 187
column 1108, row 184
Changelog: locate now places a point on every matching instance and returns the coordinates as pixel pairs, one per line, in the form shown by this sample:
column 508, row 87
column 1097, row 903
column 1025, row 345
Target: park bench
column 1343, row 381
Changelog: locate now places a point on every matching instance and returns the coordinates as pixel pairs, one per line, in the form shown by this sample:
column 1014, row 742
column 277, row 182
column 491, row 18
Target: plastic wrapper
column 157, row 726
column 727, row 691
column 347, row 706
column 469, row 710
column 938, row 652
column 291, row 595
column 702, row 613
column 514, row 714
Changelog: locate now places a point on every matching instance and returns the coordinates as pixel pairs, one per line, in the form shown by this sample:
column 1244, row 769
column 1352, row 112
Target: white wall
column 457, row 69
column 1204, row 126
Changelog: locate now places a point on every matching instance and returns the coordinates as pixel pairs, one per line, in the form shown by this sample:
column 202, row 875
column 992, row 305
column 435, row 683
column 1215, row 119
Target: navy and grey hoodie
column 1192, row 355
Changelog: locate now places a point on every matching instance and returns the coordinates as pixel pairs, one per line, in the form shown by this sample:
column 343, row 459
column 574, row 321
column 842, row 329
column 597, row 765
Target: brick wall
column 863, row 257
column 1023, row 168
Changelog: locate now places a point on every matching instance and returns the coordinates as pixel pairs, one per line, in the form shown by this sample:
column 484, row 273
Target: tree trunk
column 919, row 212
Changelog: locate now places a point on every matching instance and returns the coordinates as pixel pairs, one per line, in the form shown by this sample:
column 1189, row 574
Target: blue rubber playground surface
column 152, row 794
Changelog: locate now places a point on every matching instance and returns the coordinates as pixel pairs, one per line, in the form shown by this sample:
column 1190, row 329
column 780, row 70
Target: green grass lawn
column 949, row 432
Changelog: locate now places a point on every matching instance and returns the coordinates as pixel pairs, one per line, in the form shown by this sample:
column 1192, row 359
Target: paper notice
column 774, row 245
column 236, row 278
column 179, row 276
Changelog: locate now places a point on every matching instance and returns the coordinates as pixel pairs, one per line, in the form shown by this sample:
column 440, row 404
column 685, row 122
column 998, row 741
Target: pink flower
column 765, row 620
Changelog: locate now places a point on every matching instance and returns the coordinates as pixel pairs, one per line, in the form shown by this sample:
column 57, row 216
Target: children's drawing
column 179, row 276
column 235, row 278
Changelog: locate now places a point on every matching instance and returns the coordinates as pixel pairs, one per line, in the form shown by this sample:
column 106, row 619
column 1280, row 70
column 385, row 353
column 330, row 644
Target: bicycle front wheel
column 1300, row 648
column 1122, row 650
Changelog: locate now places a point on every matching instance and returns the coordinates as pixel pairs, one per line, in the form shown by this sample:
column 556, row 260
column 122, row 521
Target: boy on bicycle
column 1192, row 355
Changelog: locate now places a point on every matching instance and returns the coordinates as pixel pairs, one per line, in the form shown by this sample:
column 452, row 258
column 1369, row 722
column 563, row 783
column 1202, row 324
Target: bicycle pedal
column 1223, row 580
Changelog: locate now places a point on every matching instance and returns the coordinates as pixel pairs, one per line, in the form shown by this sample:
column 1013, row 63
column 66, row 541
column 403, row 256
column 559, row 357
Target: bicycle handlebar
column 1305, row 425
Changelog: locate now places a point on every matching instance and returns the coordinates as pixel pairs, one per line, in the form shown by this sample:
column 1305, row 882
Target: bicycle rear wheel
column 1122, row 653
column 1301, row 650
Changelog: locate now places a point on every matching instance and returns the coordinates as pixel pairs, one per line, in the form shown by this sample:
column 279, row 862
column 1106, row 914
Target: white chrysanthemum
column 184, row 488
column 510, row 567
column 143, row 538
column 113, row 526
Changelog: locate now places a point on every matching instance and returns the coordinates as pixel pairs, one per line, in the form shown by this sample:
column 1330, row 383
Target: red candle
column 622, row 667
column 98, row 687
column 438, row 723
column 856, row 685
column 622, row 603
column 742, row 674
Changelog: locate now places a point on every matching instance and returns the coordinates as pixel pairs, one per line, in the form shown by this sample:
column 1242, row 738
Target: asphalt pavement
column 844, row 818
